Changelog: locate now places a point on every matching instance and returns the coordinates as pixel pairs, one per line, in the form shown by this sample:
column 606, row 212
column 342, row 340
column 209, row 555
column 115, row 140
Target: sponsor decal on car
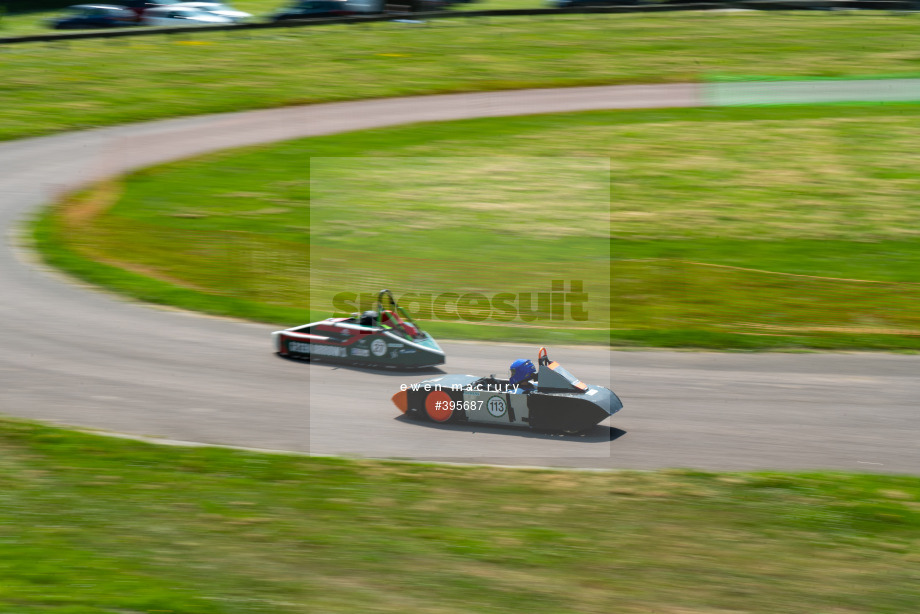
column 360, row 352
column 328, row 350
column 315, row 349
column 300, row 348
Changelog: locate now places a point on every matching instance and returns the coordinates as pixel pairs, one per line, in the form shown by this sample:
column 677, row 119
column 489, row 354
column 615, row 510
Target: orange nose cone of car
column 401, row 400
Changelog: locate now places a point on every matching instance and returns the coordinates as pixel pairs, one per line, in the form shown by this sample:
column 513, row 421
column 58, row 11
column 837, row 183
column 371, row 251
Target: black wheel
column 415, row 413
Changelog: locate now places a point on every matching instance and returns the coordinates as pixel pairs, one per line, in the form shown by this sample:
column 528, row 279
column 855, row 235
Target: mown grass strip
column 759, row 229
column 93, row 525
column 50, row 88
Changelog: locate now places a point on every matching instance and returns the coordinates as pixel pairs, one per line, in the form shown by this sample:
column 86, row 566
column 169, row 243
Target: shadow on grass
column 598, row 434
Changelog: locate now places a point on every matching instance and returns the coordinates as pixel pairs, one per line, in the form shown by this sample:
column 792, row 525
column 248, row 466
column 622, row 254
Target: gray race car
column 551, row 400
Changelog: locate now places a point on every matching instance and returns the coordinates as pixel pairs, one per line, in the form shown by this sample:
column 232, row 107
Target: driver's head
column 521, row 370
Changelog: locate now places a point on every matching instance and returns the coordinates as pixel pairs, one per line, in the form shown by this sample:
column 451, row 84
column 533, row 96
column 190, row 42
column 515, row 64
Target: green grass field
column 92, row 525
column 49, row 88
column 785, row 227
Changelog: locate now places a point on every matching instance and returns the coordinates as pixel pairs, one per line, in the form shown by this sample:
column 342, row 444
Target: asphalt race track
column 77, row 356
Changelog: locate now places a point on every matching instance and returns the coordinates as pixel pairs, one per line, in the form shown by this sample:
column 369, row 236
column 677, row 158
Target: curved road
column 75, row 356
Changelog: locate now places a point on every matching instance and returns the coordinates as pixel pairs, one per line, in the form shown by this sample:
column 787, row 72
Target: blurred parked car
column 562, row 4
column 366, row 7
column 313, row 9
column 176, row 15
column 217, row 8
column 142, row 6
column 93, row 16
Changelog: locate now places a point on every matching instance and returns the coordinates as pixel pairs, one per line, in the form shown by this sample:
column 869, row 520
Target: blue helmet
column 521, row 370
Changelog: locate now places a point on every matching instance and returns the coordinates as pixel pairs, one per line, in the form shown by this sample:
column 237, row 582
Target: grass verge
column 83, row 84
column 767, row 228
column 92, row 525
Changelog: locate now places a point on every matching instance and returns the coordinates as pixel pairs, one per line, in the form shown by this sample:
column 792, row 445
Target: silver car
column 219, row 9
column 179, row 15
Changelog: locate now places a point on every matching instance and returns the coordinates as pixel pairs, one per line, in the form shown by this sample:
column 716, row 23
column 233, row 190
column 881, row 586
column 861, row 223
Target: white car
column 178, row 15
column 222, row 10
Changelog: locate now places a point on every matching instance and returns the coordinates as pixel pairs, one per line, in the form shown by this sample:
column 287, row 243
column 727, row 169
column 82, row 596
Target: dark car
column 93, row 16
column 563, row 4
column 314, row 9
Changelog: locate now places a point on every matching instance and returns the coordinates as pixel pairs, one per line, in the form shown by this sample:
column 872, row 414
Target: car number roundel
column 497, row 406
column 378, row 347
